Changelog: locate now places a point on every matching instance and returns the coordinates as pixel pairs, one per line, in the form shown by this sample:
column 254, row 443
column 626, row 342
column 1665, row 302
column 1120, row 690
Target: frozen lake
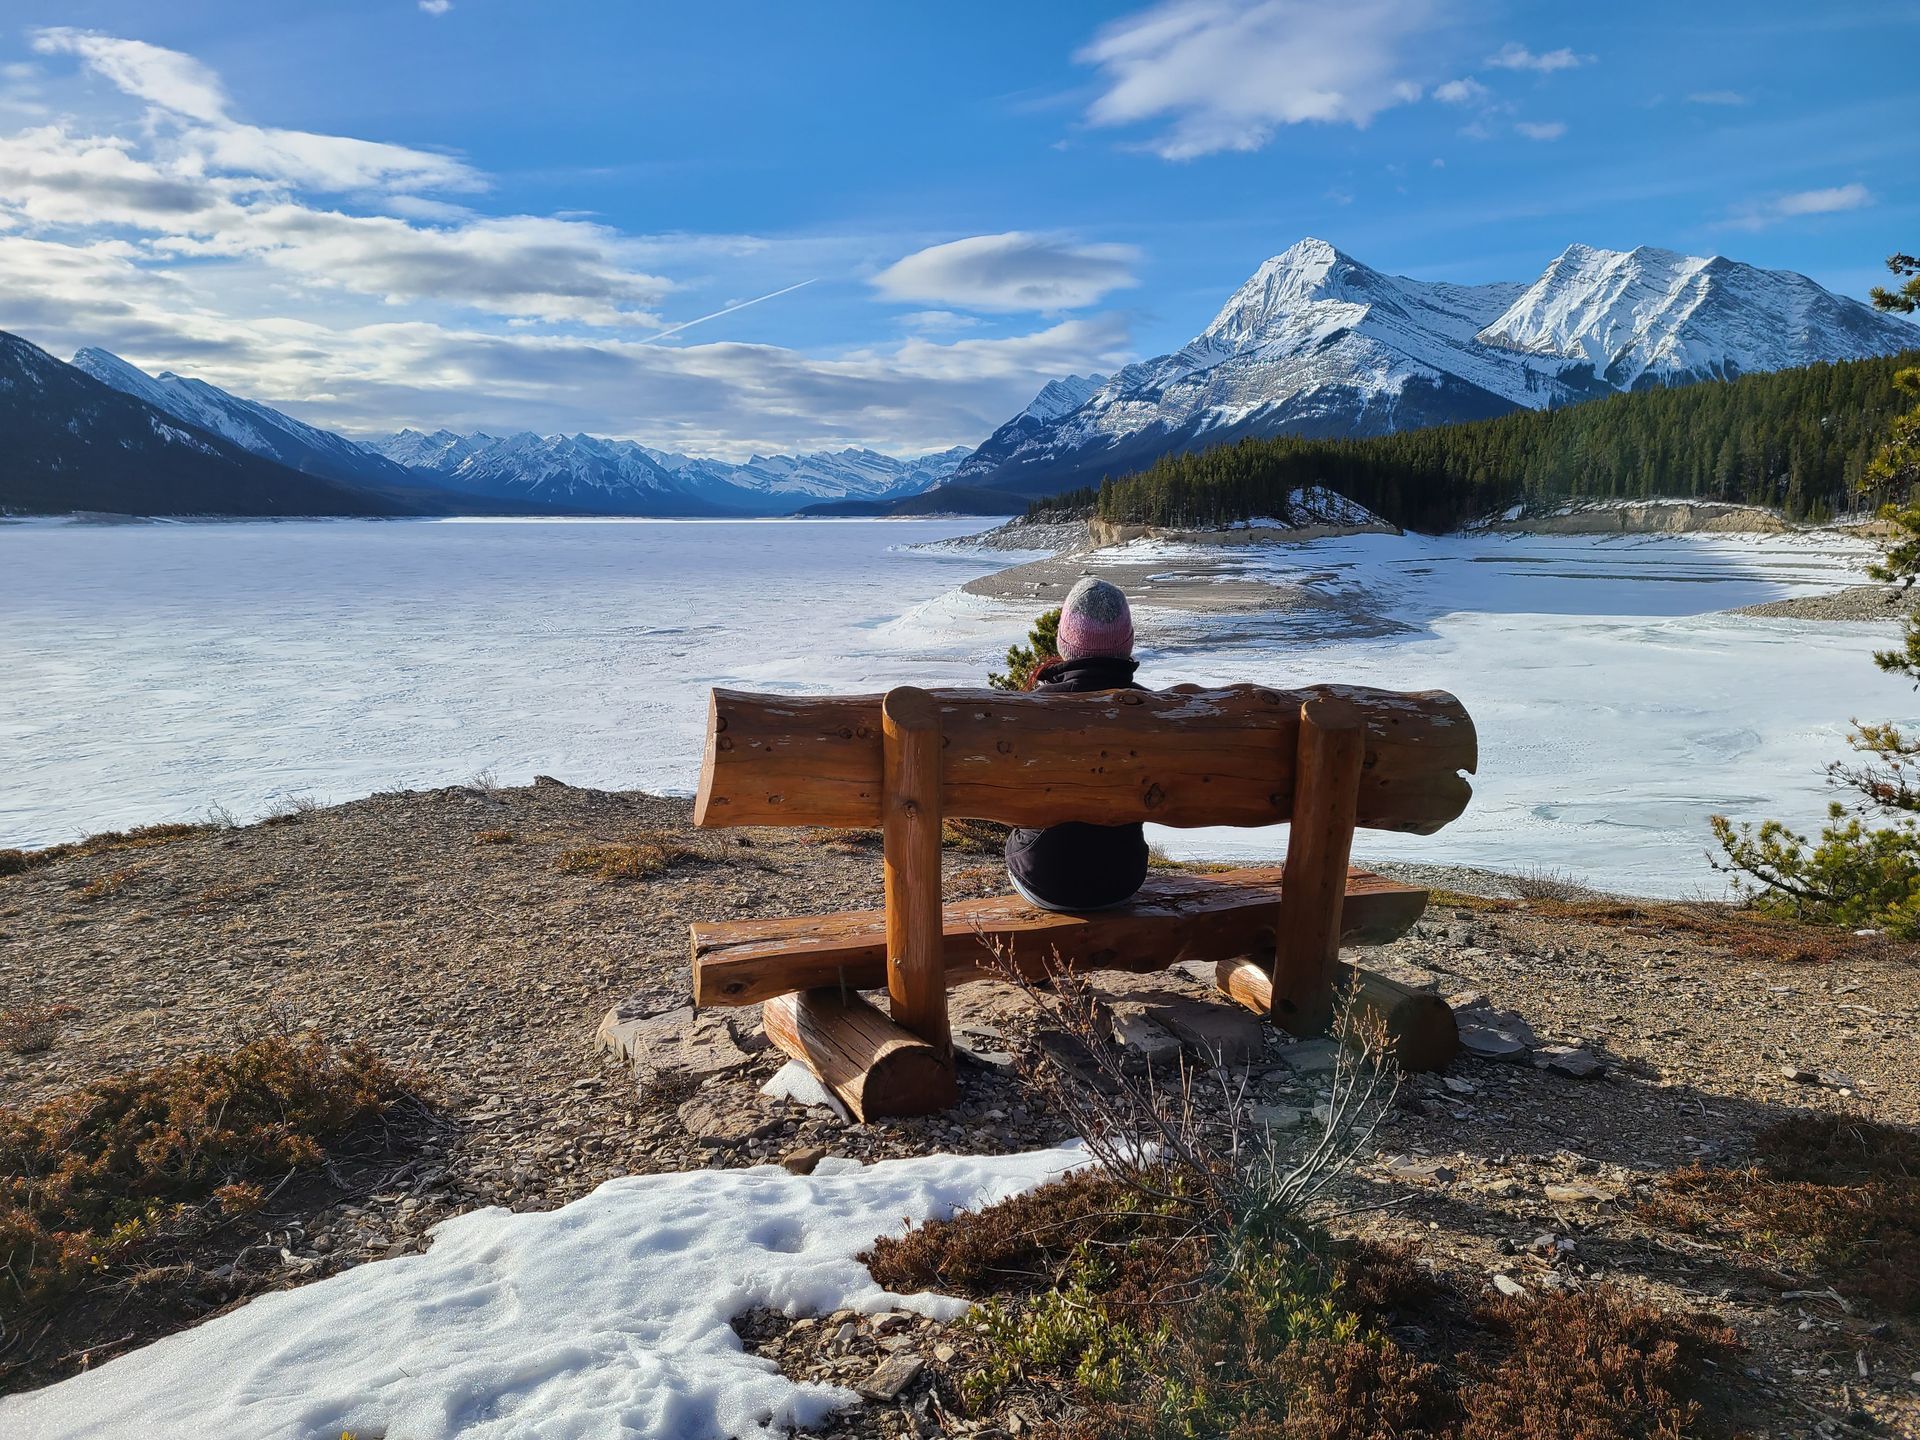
column 152, row 671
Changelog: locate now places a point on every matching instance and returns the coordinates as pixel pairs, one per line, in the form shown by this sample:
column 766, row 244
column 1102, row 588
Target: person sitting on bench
column 1076, row 866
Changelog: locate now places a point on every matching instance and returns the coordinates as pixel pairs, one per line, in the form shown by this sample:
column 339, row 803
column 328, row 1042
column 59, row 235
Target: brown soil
column 485, row 963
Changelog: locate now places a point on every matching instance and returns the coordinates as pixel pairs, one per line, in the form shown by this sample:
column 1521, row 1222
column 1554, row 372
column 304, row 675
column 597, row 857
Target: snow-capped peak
column 1654, row 316
column 1063, row 396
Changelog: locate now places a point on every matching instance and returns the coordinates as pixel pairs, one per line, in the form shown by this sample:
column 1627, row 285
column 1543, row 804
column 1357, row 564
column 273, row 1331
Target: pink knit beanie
column 1095, row 620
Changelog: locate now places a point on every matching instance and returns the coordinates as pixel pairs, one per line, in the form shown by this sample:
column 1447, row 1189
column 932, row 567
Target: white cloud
column 1223, row 74
column 436, row 7
column 190, row 109
column 192, row 241
column 1464, row 91
column 1541, row 129
column 1833, row 200
column 1716, row 97
column 1011, row 272
column 165, row 78
column 1512, row 56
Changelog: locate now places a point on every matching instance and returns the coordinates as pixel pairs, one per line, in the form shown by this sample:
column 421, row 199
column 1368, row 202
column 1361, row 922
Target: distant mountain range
column 621, row 477
column 1315, row 343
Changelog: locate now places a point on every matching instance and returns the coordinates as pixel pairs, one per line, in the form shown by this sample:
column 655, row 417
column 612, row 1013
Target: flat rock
column 680, row 1043
column 1276, row 1117
column 1570, row 1060
column 1491, row 1044
column 1226, row 1035
column 898, row 1371
column 720, row 1123
column 1576, row 1192
column 1311, row 1057
column 803, row 1161
column 1139, row 1036
column 1509, row 1287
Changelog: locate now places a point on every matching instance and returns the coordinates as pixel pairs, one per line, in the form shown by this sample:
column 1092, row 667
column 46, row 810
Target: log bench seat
column 1176, row 917
column 1321, row 761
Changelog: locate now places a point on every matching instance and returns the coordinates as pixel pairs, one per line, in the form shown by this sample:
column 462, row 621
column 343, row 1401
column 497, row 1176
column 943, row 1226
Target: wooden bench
column 1325, row 761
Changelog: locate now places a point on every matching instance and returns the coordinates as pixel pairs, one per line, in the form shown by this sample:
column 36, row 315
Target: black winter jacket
column 1077, row 866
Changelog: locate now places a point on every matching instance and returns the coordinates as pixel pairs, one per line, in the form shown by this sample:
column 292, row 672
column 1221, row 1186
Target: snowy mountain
column 70, row 442
column 1317, row 343
column 624, row 477
column 246, row 423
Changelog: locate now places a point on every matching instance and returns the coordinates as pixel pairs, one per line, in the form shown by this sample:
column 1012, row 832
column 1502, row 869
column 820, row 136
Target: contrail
column 699, row 320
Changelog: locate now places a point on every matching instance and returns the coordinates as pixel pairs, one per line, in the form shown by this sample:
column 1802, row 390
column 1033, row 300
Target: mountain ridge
column 1318, row 344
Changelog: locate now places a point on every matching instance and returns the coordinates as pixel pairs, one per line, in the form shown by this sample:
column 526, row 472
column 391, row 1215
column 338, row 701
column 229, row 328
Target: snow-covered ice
column 154, row 670
column 605, row 1317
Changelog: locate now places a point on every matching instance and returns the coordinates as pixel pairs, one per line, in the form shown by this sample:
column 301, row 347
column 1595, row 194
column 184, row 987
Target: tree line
column 1798, row 440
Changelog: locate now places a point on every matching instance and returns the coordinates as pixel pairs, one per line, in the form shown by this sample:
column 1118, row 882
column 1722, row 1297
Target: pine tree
column 1857, row 874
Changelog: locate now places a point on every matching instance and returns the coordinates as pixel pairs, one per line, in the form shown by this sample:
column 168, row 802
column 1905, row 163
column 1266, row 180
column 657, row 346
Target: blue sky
column 493, row 214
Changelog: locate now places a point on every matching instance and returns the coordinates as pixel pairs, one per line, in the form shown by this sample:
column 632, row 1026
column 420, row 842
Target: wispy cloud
column 1514, row 56
column 1541, row 129
column 1464, row 91
column 1833, row 200
column 436, row 7
column 1716, row 97
column 1225, row 74
column 1011, row 272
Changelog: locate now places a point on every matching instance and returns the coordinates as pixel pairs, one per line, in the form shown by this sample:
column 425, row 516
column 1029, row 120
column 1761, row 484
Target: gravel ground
column 485, row 966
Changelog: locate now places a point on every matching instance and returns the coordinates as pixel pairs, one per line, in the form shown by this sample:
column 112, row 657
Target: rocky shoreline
column 452, row 931
column 1884, row 603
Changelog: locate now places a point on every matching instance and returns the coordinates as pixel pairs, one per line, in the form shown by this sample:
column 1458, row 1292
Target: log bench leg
column 872, row 1064
column 1418, row 1023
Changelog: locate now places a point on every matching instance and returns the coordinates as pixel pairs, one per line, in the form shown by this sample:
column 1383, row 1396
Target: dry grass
column 846, row 840
column 494, row 837
column 32, row 1029
column 89, row 1179
column 1833, row 1196
column 144, row 837
column 644, row 855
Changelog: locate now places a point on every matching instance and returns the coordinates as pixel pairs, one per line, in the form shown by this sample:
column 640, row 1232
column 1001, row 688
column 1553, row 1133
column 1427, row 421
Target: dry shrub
column 32, row 1029
column 1759, row 935
column 645, row 855
column 107, row 886
column 142, row 837
column 220, row 897
column 1017, row 1244
column 975, row 837
column 88, row 1178
column 1589, row 1365
column 1833, row 1195
column 493, row 837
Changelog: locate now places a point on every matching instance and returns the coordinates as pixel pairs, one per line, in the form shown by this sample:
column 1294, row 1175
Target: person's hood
column 1094, row 672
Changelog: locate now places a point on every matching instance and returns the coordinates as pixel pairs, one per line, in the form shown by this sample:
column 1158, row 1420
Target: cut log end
column 1419, row 1025
column 876, row 1067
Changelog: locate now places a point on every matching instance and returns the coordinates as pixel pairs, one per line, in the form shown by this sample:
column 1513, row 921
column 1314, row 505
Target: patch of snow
column 794, row 1081
column 605, row 1317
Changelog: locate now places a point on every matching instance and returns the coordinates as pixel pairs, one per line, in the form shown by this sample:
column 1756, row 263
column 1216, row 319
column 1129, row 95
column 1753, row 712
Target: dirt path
column 443, row 928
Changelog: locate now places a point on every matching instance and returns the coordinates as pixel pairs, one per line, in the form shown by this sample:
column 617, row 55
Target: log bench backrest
column 1323, row 760
column 1182, row 757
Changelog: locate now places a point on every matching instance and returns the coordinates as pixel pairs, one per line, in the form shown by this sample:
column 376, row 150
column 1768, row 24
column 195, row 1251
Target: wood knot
column 846, row 732
column 719, row 722
column 1132, row 697
column 725, row 742
column 1005, row 747
column 1154, row 796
